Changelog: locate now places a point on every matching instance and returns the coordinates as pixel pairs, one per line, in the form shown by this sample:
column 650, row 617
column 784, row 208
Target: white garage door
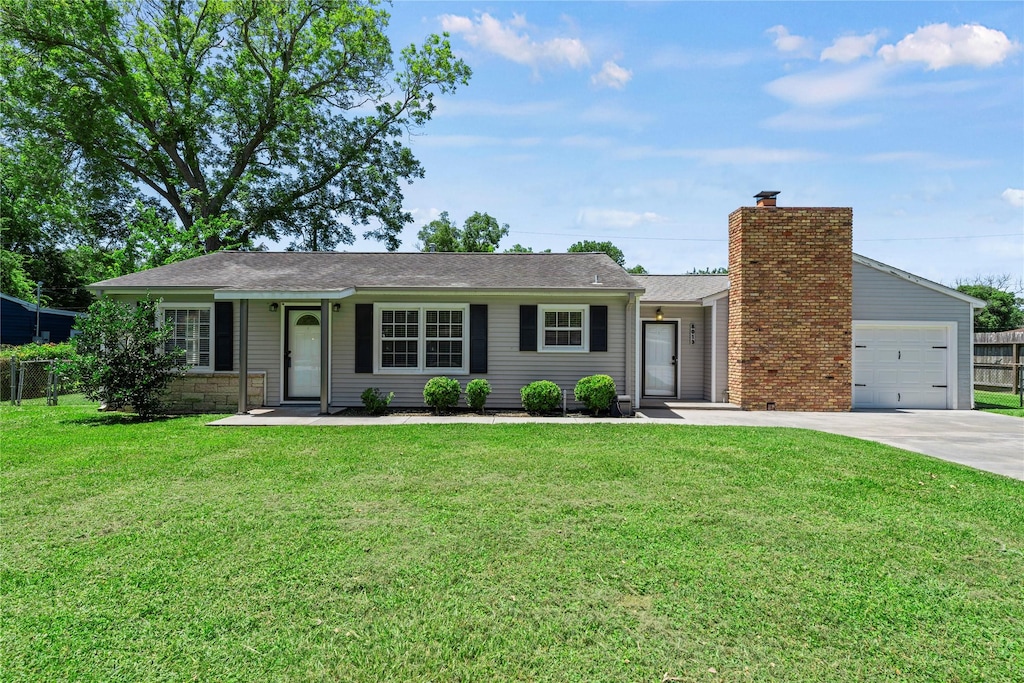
column 900, row 367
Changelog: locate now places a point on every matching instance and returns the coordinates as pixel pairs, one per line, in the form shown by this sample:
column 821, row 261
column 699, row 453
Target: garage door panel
column 900, row 366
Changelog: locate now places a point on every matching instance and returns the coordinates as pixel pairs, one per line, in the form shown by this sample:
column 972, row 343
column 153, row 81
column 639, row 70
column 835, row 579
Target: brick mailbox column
column 790, row 308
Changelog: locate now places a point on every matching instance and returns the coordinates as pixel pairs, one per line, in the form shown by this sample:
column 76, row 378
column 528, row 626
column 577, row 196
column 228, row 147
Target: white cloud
column 850, row 48
column 787, row 42
column 675, row 57
column 614, row 218
column 796, row 120
column 466, row 141
column 510, row 40
column 941, row 46
column 741, row 156
column 1014, row 196
column 450, row 107
column 828, row 87
column 612, row 76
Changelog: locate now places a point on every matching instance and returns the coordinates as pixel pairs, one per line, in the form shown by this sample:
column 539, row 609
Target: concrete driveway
column 985, row 441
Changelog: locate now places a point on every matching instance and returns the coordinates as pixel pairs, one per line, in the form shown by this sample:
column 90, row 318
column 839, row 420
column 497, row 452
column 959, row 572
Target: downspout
column 243, row 356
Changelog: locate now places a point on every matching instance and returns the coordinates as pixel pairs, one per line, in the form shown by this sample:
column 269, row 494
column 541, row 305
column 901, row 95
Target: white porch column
column 325, row 354
column 243, row 356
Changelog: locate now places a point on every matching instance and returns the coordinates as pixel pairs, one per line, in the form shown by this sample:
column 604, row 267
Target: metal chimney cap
column 767, row 194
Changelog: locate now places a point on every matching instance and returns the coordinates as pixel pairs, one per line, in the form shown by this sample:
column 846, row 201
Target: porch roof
column 667, row 289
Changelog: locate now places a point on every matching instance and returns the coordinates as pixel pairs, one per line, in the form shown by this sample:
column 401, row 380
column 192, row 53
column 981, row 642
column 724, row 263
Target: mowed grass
column 994, row 402
column 174, row 551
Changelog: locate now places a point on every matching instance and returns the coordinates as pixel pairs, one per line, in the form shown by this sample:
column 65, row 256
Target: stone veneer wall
column 212, row 392
column 791, row 308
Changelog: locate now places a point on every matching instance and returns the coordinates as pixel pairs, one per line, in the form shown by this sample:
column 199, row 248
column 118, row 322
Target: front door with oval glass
column 302, row 354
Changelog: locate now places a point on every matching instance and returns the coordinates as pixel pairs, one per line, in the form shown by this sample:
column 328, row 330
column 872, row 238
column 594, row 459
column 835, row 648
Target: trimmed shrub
column 596, row 392
column 376, row 402
column 477, row 391
column 442, row 393
column 541, row 396
column 122, row 359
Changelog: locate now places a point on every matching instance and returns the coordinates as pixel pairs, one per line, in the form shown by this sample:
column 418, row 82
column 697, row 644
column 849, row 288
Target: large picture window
column 422, row 338
column 563, row 328
column 190, row 330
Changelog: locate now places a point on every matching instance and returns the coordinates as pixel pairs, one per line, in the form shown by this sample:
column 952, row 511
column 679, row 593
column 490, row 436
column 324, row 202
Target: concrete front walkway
column 985, row 441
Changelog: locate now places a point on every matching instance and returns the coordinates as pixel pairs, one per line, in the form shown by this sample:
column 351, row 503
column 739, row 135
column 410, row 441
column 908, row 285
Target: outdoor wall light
column 273, row 307
column 336, row 308
column 658, row 315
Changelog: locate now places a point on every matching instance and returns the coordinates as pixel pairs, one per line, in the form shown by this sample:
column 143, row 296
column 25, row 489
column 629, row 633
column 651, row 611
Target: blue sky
column 647, row 123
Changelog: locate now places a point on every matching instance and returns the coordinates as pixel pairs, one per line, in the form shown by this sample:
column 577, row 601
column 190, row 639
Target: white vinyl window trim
column 192, row 331
column 411, row 338
column 563, row 328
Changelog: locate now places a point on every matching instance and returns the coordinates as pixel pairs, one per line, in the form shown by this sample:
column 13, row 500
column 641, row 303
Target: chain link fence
column 29, row 379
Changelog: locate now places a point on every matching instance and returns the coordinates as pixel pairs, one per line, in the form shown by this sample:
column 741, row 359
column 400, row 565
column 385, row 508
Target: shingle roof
column 670, row 288
column 321, row 271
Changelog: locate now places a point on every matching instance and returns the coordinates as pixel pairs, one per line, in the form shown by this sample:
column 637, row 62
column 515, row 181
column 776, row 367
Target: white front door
column 302, row 354
column 660, row 359
column 900, row 366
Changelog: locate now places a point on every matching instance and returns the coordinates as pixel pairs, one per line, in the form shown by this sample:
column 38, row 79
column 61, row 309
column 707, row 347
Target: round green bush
column 477, row 391
column 375, row 401
column 596, row 392
column 541, row 396
column 442, row 393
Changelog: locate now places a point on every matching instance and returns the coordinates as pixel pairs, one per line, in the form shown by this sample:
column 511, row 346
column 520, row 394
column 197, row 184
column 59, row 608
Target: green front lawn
column 993, row 402
column 592, row 552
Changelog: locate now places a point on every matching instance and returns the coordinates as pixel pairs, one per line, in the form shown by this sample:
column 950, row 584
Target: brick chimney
column 790, row 307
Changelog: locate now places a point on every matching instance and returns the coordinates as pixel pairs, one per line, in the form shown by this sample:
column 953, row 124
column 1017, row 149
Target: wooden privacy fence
column 999, row 361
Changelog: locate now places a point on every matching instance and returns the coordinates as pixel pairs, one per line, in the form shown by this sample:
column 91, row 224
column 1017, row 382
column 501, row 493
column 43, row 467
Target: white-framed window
column 422, row 338
column 191, row 330
column 563, row 328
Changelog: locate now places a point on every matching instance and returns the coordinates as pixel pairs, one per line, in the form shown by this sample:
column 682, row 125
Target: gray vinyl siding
column 717, row 363
column 881, row 296
column 508, row 368
column 690, row 362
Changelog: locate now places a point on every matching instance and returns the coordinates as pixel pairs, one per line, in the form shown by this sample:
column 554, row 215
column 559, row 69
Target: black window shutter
column 478, row 338
column 527, row 328
column 364, row 337
column 223, row 335
column 598, row 328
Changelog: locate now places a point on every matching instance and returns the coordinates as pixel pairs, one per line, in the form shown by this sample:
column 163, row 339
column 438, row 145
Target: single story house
column 18, row 322
column 800, row 323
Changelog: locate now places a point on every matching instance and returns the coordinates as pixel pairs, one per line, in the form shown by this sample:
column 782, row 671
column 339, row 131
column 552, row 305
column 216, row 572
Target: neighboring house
column 18, row 322
column 800, row 323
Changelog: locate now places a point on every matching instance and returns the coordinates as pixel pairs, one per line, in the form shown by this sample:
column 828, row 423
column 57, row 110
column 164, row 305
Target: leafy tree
column 719, row 270
column 53, row 201
column 285, row 118
column 1003, row 310
column 14, row 281
column 440, row 234
column 480, row 233
column 592, row 246
column 122, row 358
column 520, row 249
